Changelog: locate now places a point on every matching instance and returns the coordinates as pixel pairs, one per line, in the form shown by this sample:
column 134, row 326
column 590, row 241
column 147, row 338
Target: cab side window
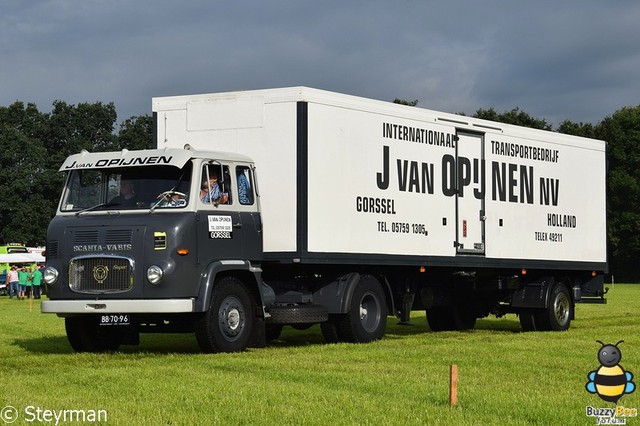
column 245, row 185
column 215, row 185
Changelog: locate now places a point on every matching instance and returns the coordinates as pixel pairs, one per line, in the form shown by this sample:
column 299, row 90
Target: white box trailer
column 349, row 179
column 295, row 206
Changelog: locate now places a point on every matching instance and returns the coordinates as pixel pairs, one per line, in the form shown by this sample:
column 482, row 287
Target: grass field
column 505, row 376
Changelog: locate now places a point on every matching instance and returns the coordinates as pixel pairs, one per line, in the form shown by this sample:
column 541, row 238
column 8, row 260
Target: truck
column 295, row 206
column 15, row 254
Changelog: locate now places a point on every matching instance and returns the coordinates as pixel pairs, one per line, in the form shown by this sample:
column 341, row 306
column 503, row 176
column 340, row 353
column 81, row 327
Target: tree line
column 33, row 145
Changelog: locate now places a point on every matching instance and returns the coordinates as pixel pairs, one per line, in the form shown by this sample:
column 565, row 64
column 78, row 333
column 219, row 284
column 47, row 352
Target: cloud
column 555, row 60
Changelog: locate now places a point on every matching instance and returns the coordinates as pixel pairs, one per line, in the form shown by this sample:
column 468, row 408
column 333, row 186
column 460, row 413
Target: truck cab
column 139, row 238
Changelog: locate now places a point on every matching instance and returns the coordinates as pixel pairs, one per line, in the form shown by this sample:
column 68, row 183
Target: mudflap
column 533, row 294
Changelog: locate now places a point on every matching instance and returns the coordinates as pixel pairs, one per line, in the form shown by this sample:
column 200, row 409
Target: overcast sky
column 557, row 60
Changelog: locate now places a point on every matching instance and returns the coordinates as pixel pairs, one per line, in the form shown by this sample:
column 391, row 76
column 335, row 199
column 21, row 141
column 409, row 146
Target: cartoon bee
column 610, row 381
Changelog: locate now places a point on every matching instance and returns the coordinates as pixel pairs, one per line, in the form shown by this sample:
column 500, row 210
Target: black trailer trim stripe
column 460, row 261
column 302, row 140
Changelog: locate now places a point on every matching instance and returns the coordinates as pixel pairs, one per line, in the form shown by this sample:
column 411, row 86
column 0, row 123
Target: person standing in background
column 12, row 279
column 23, row 281
column 36, row 281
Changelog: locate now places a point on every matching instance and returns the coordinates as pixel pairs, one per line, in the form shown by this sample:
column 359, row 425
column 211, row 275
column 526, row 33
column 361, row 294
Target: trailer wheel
column 227, row 325
column 366, row 320
column 86, row 335
column 557, row 316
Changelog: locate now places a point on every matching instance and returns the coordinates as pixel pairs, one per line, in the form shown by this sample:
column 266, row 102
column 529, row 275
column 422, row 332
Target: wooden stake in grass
column 453, row 385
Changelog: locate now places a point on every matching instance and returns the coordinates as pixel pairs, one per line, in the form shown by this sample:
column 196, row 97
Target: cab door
column 219, row 233
column 230, row 226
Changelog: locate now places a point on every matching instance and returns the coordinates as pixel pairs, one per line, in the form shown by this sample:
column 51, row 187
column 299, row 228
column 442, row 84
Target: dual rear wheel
column 556, row 317
column 366, row 319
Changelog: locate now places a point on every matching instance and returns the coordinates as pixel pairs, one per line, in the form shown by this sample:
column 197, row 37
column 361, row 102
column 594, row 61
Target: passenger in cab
column 210, row 191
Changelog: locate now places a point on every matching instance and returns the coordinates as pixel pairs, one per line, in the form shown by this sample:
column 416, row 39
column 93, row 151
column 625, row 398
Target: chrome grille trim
column 101, row 274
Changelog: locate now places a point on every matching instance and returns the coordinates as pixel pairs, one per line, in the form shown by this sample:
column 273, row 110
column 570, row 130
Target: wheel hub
column 233, row 318
column 363, row 312
column 369, row 312
column 230, row 317
column 561, row 309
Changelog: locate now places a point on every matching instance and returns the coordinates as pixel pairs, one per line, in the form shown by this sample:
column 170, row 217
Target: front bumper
column 131, row 306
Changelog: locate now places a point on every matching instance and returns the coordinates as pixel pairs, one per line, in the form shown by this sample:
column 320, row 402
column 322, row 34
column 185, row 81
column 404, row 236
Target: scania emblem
column 100, row 273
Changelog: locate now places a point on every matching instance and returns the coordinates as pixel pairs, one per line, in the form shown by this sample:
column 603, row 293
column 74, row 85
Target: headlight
column 154, row 274
column 50, row 275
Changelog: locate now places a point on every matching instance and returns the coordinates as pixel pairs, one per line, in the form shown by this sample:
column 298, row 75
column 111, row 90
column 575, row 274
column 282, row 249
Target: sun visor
column 108, row 160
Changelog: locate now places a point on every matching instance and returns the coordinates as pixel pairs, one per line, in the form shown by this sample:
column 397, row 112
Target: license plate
column 115, row 319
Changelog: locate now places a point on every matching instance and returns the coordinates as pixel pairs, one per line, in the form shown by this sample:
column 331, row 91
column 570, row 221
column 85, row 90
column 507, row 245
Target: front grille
column 105, row 274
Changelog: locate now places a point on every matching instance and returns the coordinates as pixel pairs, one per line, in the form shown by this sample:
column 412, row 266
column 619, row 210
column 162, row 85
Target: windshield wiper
column 97, row 206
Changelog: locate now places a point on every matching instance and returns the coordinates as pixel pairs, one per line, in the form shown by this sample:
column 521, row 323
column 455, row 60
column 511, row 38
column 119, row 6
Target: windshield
column 124, row 189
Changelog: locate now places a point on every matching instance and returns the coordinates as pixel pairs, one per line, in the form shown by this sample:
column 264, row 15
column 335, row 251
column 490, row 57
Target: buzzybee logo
column 610, row 382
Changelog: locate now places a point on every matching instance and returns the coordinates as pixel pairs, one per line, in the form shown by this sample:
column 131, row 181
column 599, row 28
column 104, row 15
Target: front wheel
column 227, row 325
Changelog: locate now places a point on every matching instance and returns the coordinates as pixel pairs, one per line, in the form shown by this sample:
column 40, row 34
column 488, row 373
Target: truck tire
column 366, row 319
column 450, row 318
column 228, row 323
column 86, row 335
column 557, row 316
